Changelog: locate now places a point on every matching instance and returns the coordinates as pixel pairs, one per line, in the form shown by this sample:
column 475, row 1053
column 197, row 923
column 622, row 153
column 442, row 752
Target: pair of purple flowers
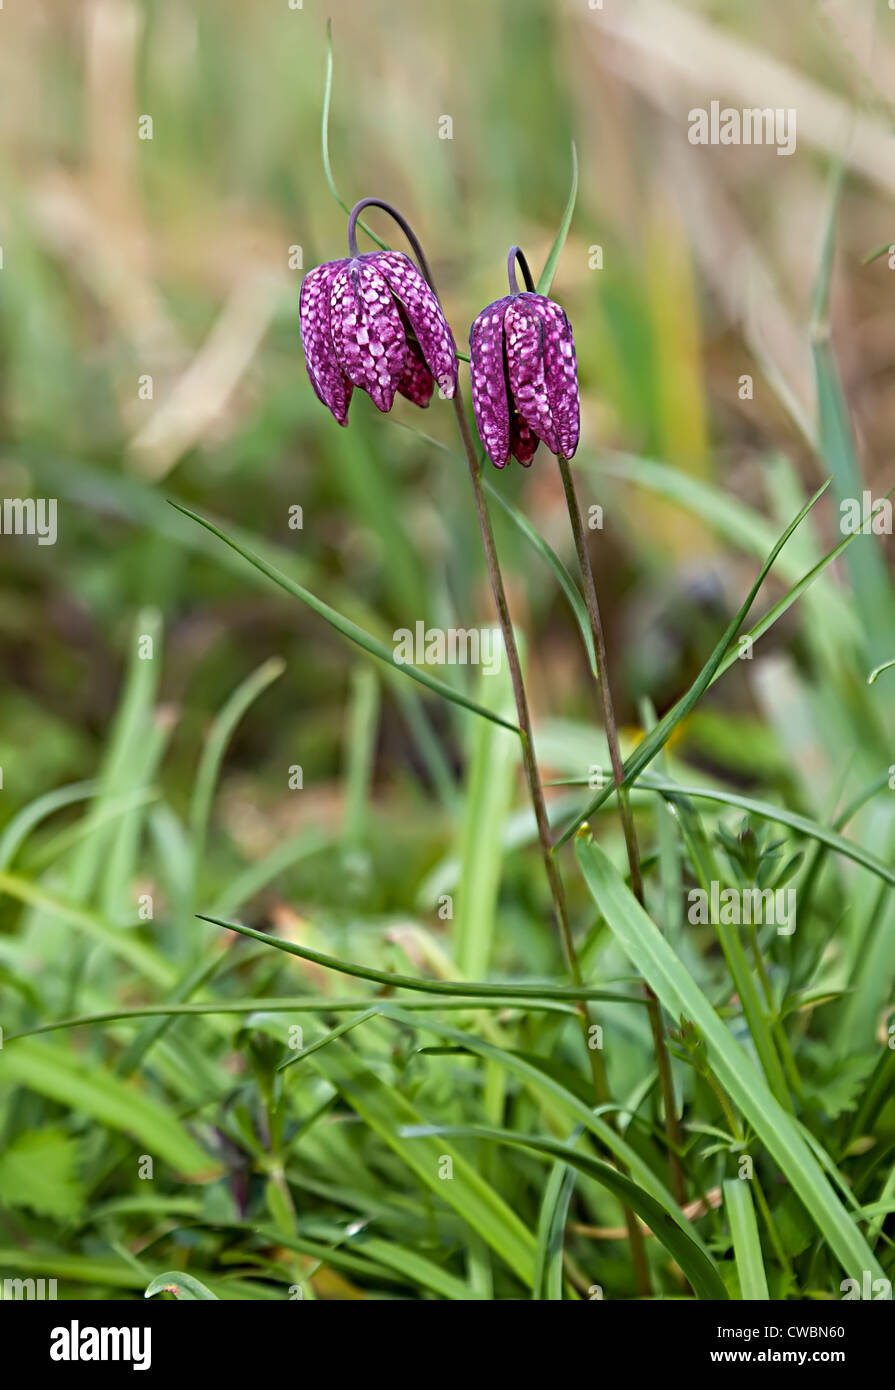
column 373, row 321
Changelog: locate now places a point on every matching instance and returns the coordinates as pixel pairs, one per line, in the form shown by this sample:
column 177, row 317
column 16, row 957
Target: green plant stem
column 732, row 1121
column 663, row 1062
column 767, row 1218
column 536, row 792
column 777, row 1028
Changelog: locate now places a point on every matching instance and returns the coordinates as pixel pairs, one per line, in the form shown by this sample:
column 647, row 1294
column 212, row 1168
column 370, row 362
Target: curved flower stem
column 517, row 254
column 405, row 226
column 535, row 788
column 663, row 1063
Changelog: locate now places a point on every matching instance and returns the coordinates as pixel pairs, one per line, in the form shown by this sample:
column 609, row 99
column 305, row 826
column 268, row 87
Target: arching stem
column 517, row 254
column 402, row 222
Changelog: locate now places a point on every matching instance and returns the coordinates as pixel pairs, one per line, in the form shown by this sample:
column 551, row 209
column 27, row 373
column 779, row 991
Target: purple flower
column 524, row 375
column 372, row 321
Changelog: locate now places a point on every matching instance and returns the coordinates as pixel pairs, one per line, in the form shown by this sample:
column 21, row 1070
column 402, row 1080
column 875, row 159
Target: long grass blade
column 551, row 1226
column 345, row 626
column 545, row 279
column 746, row 1244
column 215, row 747
column 324, row 136
column 447, row 987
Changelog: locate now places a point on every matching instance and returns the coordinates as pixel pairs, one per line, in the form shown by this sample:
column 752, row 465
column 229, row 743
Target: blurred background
column 162, row 191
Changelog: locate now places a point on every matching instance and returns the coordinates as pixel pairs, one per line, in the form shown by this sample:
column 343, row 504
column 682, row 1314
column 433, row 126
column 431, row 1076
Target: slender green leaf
column 24, row 821
column 746, row 1244
column 324, row 136
column 215, row 747
column 327, row 1038
column 314, row 1003
column 450, row 987
column 885, row 250
column 545, row 279
column 707, row 871
column 551, row 1229
column 878, row 670
column 120, row 943
column 491, row 769
column 345, row 626
column 532, row 535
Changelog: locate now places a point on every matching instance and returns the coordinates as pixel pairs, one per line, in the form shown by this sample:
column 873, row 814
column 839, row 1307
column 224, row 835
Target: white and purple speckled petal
column 561, row 370
column 417, row 382
column 367, row 331
column 524, row 331
column 424, row 315
column 487, row 375
column 330, row 384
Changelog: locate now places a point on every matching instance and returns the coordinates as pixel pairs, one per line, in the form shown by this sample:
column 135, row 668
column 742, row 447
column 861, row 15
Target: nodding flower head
column 373, row 321
column 524, row 374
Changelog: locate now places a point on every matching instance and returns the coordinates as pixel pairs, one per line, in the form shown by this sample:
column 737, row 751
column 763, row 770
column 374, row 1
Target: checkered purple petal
column 561, row 371
column 417, row 382
column 524, row 331
column 523, row 441
column 487, row 374
column 367, row 331
column 424, row 315
column 315, row 317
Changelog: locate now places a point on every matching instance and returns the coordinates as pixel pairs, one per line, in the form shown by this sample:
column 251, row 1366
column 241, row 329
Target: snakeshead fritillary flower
column 524, row 375
column 372, row 321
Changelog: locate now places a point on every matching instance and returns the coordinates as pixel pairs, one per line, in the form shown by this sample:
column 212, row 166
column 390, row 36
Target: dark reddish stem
column 402, row 223
column 517, row 254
